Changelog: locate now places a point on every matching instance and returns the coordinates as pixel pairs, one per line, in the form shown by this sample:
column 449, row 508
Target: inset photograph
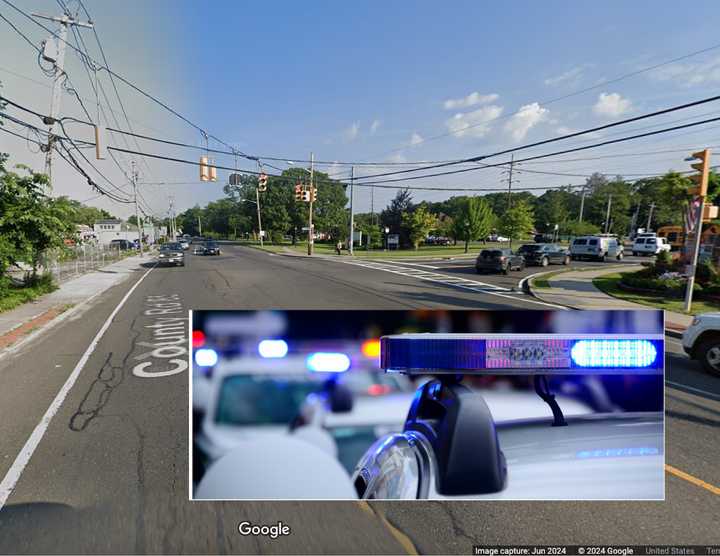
column 423, row 404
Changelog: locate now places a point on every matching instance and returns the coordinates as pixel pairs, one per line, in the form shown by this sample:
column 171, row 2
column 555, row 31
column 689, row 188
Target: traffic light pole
column 257, row 203
column 311, row 235
column 695, row 256
column 352, row 215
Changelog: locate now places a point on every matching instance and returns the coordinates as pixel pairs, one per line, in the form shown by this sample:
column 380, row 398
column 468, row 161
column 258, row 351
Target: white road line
column 691, row 390
column 475, row 286
column 13, row 475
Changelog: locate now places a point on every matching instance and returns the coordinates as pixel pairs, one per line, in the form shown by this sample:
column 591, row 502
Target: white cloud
column 475, row 123
column 374, row 126
column 471, row 100
column 525, row 119
column 611, row 105
column 691, row 73
column 397, row 158
column 563, row 130
column 352, row 132
column 416, row 139
column 570, row 76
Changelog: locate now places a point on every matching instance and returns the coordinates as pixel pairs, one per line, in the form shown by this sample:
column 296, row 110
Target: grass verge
column 609, row 285
column 424, row 251
column 14, row 296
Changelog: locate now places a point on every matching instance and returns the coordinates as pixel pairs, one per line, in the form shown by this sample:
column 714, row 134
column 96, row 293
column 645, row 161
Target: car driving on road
column 498, row 260
column 211, row 248
column 650, row 245
column 701, row 341
column 171, row 254
column 544, row 254
column 599, row 248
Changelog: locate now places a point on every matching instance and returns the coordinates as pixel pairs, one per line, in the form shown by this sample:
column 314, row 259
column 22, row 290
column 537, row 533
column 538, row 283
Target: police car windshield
column 171, row 247
column 262, row 400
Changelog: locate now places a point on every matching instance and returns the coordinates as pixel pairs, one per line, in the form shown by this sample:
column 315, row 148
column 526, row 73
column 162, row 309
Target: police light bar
column 497, row 354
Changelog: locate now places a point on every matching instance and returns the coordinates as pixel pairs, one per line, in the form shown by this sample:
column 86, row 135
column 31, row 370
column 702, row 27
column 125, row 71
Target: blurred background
column 316, row 373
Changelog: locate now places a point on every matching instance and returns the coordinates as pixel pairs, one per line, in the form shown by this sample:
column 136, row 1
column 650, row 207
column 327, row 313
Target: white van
column 599, row 248
column 649, row 245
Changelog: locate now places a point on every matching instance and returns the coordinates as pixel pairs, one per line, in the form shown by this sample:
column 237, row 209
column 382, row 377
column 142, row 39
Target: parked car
column 544, row 238
column 495, row 237
column 650, row 245
column 171, row 254
column 544, row 254
column 701, row 341
column 600, row 248
column 184, row 244
column 121, row 244
column 499, row 260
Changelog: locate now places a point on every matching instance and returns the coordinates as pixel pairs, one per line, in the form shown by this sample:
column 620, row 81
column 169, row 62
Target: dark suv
column 544, row 254
column 498, row 260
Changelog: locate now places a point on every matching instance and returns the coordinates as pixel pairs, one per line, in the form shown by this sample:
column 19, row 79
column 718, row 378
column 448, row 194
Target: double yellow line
column 691, row 479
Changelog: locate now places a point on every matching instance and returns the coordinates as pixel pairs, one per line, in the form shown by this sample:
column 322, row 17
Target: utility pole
column 137, row 214
column 352, row 215
column 57, row 57
column 311, row 235
column 700, row 191
column 372, row 212
column 510, row 173
column 607, row 214
column 582, row 204
column 199, row 227
column 652, row 206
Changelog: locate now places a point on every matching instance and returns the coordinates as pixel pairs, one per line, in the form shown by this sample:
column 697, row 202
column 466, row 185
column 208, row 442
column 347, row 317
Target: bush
column 707, row 274
column 277, row 237
column 34, row 280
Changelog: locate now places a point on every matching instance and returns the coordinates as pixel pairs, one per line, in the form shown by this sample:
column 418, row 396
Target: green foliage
column 474, row 221
column 392, row 216
column 30, row 221
column 581, row 228
column 518, row 221
column 417, row 224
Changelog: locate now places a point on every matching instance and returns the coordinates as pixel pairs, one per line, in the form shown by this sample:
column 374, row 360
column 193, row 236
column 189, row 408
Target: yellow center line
column 691, row 479
column 399, row 536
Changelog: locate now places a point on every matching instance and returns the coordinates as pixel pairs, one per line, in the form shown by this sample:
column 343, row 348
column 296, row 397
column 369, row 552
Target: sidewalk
column 575, row 289
column 17, row 324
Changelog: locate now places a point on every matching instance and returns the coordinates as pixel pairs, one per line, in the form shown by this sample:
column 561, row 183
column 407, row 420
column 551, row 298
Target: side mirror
column 459, row 426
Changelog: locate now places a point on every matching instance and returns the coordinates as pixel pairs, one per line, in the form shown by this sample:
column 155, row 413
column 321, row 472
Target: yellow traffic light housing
column 703, row 167
column 298, row 192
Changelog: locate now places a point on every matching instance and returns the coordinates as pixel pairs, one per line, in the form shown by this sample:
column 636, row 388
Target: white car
column 649, row 245
column 600, row 248
column 701, row 341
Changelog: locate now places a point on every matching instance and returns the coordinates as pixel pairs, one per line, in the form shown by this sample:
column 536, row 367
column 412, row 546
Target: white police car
column 451, row 447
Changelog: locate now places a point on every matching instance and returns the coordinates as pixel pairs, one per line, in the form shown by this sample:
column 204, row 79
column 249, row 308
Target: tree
column 518, row 221
column 392, row 216
column 474, row 221
column 581, row 229
column 620, row 194
column 417, row 224
column 30, row 221
column 556, row 206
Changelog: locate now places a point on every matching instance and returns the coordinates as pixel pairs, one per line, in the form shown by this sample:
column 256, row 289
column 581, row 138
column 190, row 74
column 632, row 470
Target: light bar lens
column 614, row 353
column 206, row 357
column 521, row 353
column 273, row 349
column 323, row 362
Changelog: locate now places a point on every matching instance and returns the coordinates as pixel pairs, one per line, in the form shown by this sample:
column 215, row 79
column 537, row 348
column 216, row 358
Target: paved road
column 110, row 473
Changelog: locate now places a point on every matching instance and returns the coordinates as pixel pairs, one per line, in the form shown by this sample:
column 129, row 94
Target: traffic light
column 208, row 172
column 298, row 192
column 204, row 169
column 314, row 194
column 700, row 180
column 306, row 195
column 262, row 182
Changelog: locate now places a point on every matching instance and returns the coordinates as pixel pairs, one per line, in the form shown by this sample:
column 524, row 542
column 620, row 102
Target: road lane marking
column 691, row 479
column 455, row 282
column 691, row 390
column 399, row 536
column 23, row 458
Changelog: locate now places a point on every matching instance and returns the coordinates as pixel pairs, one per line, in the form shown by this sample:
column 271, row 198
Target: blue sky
column 379, row 80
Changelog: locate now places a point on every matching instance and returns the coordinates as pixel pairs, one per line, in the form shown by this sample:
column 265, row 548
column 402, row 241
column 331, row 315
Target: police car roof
column 601, row 456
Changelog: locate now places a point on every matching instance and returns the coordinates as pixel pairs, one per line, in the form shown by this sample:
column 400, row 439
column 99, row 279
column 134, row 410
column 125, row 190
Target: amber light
column 371, row 348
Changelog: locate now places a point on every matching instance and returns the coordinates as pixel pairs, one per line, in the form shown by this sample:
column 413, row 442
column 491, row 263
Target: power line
column 556, row 139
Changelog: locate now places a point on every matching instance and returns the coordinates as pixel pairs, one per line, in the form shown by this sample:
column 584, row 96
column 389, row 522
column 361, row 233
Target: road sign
column 393, row 239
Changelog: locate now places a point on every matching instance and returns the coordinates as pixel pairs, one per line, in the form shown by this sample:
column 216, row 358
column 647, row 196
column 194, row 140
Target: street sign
column 234, row 179
column 393, row 239
column 357, row 237
column 262, row 233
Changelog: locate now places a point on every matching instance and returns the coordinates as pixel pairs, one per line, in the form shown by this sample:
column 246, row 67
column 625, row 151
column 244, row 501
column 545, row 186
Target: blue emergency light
column 522, row 353
column 328, row 362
